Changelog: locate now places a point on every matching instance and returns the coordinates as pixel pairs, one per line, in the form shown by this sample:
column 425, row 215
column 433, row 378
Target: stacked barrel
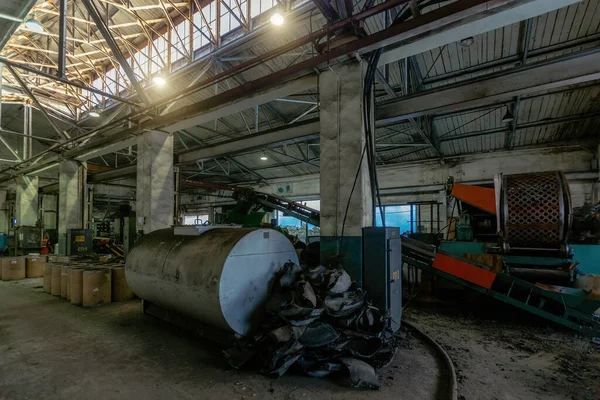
column 15, row 268
column 86, row 284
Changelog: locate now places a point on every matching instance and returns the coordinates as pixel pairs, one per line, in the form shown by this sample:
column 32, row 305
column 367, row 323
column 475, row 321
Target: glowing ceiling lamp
column 159, row 80
column 277, row 19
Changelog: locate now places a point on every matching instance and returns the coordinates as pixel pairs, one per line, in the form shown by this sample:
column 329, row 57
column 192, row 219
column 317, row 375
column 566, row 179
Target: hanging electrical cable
column 369, row 124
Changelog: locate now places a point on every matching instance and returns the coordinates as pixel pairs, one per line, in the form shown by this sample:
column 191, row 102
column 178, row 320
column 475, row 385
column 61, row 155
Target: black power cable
column 369, row 147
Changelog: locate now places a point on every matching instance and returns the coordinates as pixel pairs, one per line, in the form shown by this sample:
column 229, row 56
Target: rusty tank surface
column 219, row 276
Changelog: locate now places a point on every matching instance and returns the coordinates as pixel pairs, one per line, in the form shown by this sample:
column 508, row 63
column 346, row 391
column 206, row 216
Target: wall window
column 140, row 63
column 96, row 98
column 122, row 80
column 258, row 7
column 412, row 218
column 181, row 39
column 307, row 233
column 210, row 14
column 110, row 79
column 159, row 55
column 195, row 219
column 229, row 22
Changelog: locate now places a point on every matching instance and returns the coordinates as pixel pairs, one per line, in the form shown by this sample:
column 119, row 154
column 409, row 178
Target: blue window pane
column 395, row 216
column 378, row 217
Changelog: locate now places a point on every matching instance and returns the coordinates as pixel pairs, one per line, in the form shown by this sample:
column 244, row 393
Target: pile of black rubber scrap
column 320, row 321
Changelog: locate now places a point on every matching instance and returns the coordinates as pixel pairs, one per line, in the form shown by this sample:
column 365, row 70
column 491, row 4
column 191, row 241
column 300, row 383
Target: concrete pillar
column 596, row 194
column 154, row 198
column 26, row 206
column 49, row 211
column 71, row 199
column 4, row 217
column 342, row 141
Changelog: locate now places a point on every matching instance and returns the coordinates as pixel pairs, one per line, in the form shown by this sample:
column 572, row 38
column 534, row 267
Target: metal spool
column 221, row 277
column 535, row 210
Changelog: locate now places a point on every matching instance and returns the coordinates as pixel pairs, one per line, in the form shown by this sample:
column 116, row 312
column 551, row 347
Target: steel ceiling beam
column 412, row 30
column 483, row 18
column 498, row 88
column 62, row 39
column 251, row 142
column 63, row 80
column 114, row 47
column 113, row 174
column 210, row 114
column 527, row 125
column 15, row 21
column 41, row 108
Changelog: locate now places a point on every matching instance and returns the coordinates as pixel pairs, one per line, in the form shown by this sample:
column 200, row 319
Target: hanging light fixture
column 263, row 157
column 33, row 25
column 277, row 19
column 94, row 114
column 508, row 117
column 467, row 42
column 159, row 80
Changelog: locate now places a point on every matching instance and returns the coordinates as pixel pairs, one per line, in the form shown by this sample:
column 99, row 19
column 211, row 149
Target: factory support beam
column 11, row 27
column 26, row 205
column 155, row 183
column 289, row 134
column 114, row 174
column 71, row 200
column 483, row 18
column 342, row 142
column 114, row 48
column 203, row 115
column 62, row 38
column 24, row 86
column 502, row 87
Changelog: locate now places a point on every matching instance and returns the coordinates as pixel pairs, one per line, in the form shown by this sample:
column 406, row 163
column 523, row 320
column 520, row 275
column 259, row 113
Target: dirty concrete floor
column 52, row 350
column 501, row 352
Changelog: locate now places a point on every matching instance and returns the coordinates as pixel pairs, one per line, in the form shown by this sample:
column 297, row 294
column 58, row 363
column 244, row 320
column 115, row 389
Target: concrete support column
column 154, row 198
column 342, row 141
column 71, row 199
column 26, row 206
column 596, row 194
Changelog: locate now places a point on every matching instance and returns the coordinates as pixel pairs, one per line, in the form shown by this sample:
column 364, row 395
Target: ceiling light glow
column 277, row 19
column 93, row 114
column 159, row 80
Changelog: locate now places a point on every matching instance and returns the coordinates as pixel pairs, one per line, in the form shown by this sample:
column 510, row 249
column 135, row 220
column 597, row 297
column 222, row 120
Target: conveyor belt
column 567, row 310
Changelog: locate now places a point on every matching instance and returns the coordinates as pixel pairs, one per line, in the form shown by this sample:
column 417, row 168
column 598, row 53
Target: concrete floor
column 50, row 349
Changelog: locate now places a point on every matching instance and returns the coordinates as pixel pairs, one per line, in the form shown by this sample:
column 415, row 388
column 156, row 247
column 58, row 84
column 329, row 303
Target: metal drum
column 221, row 277
column 535, row 210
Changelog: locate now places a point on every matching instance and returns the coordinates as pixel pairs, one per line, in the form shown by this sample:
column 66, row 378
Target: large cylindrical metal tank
column 535, row 210
column 222, row 277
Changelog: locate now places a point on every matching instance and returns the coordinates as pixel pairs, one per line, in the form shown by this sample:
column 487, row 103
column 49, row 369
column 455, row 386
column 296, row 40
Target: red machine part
column 477, row 196
column 464, row 270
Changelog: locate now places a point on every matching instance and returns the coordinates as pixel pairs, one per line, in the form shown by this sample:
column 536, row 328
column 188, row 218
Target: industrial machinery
column 526, row 256
column 79, row 241
column 29, row 239
column 251, row 205
column 218, row 275
column 530, row 215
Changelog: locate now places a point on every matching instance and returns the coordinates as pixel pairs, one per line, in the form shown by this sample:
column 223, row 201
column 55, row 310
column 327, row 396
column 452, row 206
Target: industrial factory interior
column 300, row 199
